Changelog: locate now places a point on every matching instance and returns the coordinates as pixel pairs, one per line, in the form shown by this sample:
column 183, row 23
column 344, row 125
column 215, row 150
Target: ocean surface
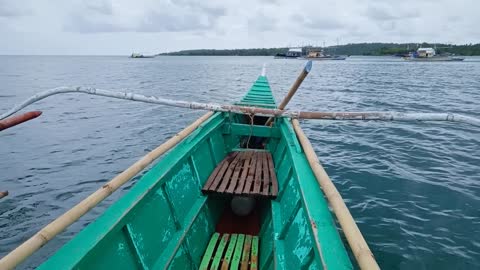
column 413, row 188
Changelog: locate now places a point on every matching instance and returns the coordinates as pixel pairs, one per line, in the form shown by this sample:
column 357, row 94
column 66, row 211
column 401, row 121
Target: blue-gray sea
column 413, row 188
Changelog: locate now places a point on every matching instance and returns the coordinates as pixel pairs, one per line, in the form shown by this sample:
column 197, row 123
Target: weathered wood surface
column 231, row 251
column 244, row 173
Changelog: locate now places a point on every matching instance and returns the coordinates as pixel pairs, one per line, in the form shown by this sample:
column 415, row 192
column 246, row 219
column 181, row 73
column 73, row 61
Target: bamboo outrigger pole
column 18, row 119
column 303, row 74
column 3, row 194
column 26, row 249
column 357, row 243
column 381, row 116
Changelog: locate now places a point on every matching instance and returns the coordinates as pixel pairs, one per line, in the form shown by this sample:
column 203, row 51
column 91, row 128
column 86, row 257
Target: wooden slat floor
column 249, row 173
column 231, row 251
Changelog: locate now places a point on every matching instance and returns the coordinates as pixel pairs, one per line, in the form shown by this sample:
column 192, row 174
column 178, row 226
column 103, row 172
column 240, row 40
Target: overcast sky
column 120, row 27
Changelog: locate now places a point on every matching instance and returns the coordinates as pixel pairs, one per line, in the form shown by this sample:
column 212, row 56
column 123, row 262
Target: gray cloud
column 83, row 24
column 260, row 22
column 325, row 24
column 317, row 22
column 273, row 2
column 176, row 16
column 379, row 13
column 202, row 7
column 104, row 7
column 164, row 22
column 13, row 9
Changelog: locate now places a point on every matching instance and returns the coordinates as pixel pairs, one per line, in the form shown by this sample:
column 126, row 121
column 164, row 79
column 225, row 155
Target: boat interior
column 235, row 194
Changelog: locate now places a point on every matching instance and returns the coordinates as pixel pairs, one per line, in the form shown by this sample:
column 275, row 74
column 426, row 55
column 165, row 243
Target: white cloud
column 166, row 25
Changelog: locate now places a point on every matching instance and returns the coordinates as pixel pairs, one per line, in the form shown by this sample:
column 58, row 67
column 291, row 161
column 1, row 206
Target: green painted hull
column 165, row 222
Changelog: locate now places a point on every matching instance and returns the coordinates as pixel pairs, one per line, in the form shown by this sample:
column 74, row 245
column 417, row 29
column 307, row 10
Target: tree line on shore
column 347, row 49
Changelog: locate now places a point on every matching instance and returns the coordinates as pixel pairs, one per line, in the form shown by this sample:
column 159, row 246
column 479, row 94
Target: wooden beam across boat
column 248, row 173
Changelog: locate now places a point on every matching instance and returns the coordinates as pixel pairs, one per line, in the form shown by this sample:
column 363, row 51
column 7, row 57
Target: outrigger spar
column 273, row 159
column 248, row 110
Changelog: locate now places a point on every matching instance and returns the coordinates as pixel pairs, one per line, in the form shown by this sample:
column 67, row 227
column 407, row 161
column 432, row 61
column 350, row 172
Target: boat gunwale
column 116, row 215
column 317, row 218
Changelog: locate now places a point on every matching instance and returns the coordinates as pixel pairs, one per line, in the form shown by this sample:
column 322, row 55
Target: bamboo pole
column 18, row 119
column 26, row 249
column 3, row 194
column 303, row 74
column 360, row 249
column 381, row 116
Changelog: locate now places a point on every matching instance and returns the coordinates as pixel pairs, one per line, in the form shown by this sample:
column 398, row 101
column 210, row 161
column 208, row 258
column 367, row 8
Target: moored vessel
column 320, row 55
column 139, row 55
column 429, row 55
column 292, row 53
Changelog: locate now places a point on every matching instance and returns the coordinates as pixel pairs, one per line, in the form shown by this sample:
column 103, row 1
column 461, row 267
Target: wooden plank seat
column 231, row 251
column 248, row 173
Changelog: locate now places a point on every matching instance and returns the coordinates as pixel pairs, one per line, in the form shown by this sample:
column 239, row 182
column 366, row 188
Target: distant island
column 376, row 49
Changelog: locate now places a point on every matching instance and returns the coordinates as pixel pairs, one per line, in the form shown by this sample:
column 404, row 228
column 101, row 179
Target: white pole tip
column 308, row 66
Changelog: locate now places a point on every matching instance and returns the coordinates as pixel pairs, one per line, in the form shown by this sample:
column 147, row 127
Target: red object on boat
column 18, row 119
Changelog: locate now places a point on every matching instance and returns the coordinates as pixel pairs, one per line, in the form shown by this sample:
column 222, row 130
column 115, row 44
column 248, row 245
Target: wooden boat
column 237, row 189
column 172, row 219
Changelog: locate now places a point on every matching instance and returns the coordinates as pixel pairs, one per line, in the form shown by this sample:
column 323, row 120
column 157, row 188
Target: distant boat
column 292, row 53
column 139, row 55
column 429, row 55
column 320, row 55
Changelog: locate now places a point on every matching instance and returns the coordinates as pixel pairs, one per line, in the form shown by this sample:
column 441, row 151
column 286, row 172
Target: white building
column 425, row 52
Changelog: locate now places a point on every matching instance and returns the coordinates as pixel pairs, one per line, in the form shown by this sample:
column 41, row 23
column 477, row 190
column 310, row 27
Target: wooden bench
column 247, row 173
column 231, row 251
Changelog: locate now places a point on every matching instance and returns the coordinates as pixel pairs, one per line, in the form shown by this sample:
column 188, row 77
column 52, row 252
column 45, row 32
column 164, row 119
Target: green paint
column 246, row 251
column 208, row 254
column 133, row 245
column 237, row 256
column 219, row 253
column 259, row 95
column 248, row 243
column 254, row 264
column 164, row 221
column 259, row 131
column 231, row 247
